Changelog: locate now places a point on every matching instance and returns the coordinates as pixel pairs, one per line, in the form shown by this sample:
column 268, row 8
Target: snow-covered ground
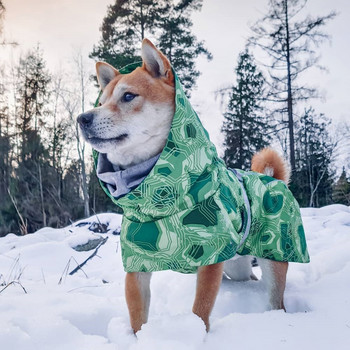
column 43, row 307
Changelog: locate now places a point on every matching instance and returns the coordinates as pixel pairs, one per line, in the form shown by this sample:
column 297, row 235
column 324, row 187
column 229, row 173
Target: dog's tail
column 269, row 162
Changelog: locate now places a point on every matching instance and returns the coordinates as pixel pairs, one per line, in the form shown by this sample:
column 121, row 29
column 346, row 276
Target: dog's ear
column 155, row 63
column 105, row 73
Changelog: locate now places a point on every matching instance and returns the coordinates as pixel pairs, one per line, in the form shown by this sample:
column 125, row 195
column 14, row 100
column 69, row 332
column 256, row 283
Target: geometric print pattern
column 276, row 231
column 190, row 210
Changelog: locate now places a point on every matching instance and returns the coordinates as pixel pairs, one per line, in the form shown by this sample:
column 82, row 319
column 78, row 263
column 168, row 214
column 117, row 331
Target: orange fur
column 279, row 271
column 208, row 284
column 140, row 82
column 268, row 159
column 137, row 305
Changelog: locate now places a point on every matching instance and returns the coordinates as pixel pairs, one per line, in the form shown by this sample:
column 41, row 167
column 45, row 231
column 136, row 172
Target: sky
column 64, row 26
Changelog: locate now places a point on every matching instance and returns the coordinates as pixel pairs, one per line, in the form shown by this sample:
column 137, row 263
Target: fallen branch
column 89, row 258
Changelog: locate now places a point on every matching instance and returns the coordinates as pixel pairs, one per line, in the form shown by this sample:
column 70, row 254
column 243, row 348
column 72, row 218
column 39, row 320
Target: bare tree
column 290, row 44
column 74, row 100
column 83, row 79
column 314, row 158
column 60, row 136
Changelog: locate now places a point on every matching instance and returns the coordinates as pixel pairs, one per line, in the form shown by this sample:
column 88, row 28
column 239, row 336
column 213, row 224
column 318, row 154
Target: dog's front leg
column 208, row 284
column 138, row 296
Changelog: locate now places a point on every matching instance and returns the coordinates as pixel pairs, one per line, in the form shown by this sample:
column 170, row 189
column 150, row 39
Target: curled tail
column 269, row 162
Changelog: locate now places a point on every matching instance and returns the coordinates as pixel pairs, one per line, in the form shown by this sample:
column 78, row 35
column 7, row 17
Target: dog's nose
column 85, row 119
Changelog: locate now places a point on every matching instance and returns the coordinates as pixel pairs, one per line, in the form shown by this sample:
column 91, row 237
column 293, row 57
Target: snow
column 87, row 310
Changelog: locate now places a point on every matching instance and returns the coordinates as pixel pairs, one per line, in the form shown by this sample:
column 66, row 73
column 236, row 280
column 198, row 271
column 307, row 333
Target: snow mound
column 44, row 304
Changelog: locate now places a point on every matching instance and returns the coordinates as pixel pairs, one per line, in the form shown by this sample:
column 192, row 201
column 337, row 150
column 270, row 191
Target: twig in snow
column 98, row 228
column 96, row 216
column 15, row 271
column 66, row 269
column 13, row 283
column 89, row 258
column 14, row 276
column 42, row 273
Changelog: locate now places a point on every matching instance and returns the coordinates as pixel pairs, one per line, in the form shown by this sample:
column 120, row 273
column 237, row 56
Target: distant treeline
column 45, row 179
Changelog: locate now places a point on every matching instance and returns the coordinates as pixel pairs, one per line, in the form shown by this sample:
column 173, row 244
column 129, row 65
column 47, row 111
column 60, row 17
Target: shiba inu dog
column 155, row 154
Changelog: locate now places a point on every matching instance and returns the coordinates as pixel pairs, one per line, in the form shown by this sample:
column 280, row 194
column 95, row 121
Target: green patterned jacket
column 192, row 211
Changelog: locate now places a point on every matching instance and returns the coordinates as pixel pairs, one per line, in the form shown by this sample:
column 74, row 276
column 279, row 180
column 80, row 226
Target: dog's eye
column 128, row 96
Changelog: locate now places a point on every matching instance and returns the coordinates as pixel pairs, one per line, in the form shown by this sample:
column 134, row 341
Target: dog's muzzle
column 85, row 120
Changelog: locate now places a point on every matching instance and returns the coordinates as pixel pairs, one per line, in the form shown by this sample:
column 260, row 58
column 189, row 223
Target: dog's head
column 133, row 120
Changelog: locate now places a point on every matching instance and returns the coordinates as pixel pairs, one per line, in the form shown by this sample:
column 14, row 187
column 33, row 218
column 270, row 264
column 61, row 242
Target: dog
column 129, row 129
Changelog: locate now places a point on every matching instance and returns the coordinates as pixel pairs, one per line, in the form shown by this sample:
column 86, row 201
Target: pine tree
column 122, row 28
column 167, row 23
column 246, row 129
column 33, row 169
column 32, row 97
column 314, row 175
column 290, row 43
column 178, row 43
column 341, row 189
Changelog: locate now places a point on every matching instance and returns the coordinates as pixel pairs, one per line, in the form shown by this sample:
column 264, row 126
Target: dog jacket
column 191, row 211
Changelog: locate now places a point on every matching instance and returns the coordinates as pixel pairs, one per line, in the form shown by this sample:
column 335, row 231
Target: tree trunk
column 240, row 133
column 315, row 188
column 142, row 23
column 85, row 189
column 81, row 146
column 84, row 184
column 289, row 95
column 42, row 195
